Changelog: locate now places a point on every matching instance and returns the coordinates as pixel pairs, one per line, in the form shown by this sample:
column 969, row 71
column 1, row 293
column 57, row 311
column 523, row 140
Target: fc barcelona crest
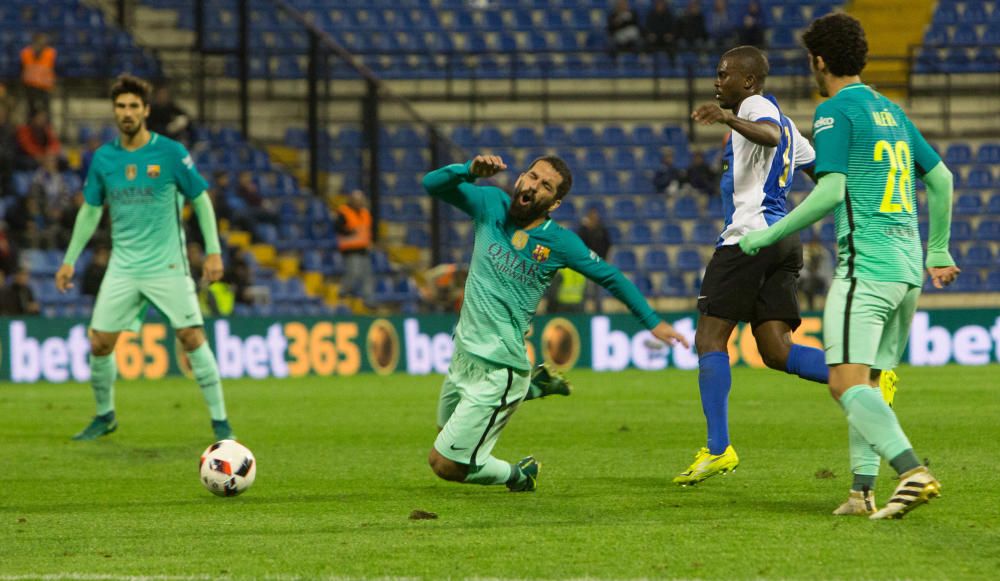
column 131, row 171
column 540, row 253
column 153, row 171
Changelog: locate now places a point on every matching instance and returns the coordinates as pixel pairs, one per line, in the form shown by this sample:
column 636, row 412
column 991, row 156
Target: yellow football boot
column 887, row 383
column 707, row 465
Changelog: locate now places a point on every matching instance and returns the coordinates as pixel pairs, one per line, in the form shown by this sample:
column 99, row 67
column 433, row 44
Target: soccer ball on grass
column 228, row 468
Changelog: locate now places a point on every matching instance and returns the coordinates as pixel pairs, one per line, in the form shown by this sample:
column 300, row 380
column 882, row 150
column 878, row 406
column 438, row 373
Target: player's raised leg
column 546, row 381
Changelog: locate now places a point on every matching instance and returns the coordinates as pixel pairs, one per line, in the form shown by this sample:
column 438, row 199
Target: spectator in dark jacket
column 623, row 28
column 18, row 299
column 701, row 176
column 691, row 27
column 753, row 26
column 36, row 140
column 661, row 29
column 8, row 151
column 167, row 118
column 668, row 177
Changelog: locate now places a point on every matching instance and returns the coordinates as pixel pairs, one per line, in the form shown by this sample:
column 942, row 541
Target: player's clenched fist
column 64, row 277
column 486, row 166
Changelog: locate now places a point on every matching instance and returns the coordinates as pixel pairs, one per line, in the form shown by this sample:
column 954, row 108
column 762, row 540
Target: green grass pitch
column 342, row 463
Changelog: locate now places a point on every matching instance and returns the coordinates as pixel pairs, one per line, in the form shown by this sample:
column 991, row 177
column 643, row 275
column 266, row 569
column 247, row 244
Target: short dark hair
column 840, row 40
column 562, row 169
column 130, row 84
column 750, row 60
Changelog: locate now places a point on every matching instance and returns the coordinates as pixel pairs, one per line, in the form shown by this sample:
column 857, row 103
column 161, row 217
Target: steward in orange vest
column 354, row 225
column 38, row 72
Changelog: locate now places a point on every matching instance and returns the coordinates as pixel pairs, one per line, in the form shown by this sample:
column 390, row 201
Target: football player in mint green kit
column 868, row 153
column 518, row 250
column 144, row 179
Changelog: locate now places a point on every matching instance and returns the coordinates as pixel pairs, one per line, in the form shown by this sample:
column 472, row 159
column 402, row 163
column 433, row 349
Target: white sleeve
column 805, row 155
column 757, row 108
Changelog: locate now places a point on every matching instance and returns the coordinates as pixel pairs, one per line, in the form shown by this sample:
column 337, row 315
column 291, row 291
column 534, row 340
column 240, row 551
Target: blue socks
column 714, row 381
column 808, row 363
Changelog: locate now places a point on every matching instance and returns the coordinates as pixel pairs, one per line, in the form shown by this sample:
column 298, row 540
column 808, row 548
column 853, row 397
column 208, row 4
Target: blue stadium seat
column 655, row 208
column 670, row 234
column 993, row 206
column 584, row 136
column 656, row 261
column 625, row 210
column 978, row 256
column 674, row 286
column 686, row 208
column 958, row 153
column 625, row 260
column 640, row 233
column 980, row 177
column 968, row 204
column 614, row 135
column 623, row 159
column 992, row 283
column 965, row 36
column 524, row 137
column 961, row 230
column 988, row 153
column 689, row 259
column 987, row 230
column 644, row 284
column 705, row 233
column 828, row 233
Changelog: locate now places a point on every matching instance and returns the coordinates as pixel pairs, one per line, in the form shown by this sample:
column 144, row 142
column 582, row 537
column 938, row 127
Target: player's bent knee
column 774, row 360
column 446, row 469
column 191, row 337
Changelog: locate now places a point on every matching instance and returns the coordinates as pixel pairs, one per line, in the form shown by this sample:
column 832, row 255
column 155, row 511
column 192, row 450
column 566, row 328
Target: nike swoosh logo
column 702, row 297
column 827, row 348
column 452, row 447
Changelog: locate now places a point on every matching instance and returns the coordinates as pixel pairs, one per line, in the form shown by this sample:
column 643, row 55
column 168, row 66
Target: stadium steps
column 891, row 27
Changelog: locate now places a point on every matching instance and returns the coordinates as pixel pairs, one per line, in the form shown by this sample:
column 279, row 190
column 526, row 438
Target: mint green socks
column 103, row 371
column 874, row 422
column 864, row 460
column 206, row 373
column 492, row 472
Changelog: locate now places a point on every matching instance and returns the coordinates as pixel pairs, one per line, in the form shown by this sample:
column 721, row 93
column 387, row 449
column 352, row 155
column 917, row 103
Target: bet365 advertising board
column 38, row 349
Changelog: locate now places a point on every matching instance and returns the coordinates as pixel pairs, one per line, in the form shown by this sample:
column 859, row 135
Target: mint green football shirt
column 511, row 268
column 145, row 191
column 865, row 136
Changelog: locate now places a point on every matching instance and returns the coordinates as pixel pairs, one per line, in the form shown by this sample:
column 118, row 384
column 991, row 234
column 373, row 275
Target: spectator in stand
column 661, row 29
column 94, row 273
column 9, row 257
column 259, row 208
column 597, row 238
column 18, row 299
column 38, row 73
column 167, row 118
column 752, row 26
column 354, row 239
column 50, row 186
column 240, row 279
column 7, row 100
column 623, row 28
column 701, row 176
column 720, row 26
column 691, row 27
column 89, row 148
column 442, row 288
column 35, row 141
column 8, row 151
column 668, row 177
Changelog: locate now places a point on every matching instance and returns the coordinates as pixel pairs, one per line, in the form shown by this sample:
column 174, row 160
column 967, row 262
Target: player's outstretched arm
column 827, row 195
column 764, row 133
column 213, row 268
column 940, row 189
column 447, row 183
column 587, row 263
column 87, row 220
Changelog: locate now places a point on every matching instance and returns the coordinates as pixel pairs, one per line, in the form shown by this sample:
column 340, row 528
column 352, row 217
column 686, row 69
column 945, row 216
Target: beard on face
column 131, row 130
column 524, row 214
